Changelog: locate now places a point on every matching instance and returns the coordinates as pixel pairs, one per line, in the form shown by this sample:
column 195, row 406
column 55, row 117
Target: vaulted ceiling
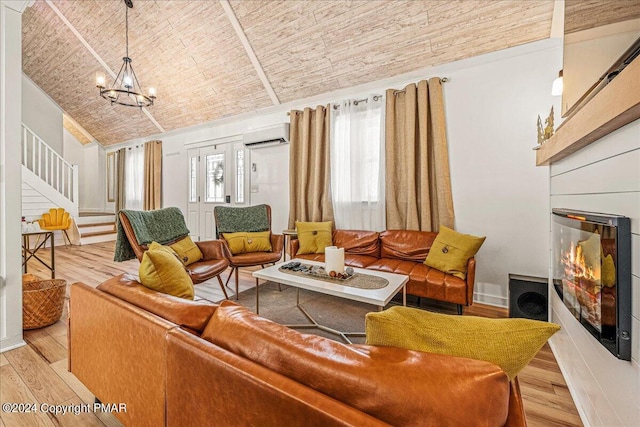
column 214, row 59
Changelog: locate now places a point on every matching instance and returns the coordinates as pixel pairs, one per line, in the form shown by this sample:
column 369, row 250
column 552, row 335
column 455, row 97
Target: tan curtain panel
column 309, row 185
column 418, row 183
column 120, row 184
column 152, row 175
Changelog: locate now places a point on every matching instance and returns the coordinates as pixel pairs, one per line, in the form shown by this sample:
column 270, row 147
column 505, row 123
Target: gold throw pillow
column 451, row 251
column 245, row 242
column 187, row 251
column 162, row 271
column 313, row 237
column 509, row 343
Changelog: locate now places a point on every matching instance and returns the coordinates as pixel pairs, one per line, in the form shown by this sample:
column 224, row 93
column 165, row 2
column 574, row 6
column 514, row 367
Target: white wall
column 10, row 131
column 603, row 177
column 498, row 191
column 92, row 171
column 42, row 115
column 270, row 182
column 492, row 103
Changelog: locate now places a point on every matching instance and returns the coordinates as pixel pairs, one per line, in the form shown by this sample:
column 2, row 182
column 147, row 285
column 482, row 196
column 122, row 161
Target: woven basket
column 42, row 302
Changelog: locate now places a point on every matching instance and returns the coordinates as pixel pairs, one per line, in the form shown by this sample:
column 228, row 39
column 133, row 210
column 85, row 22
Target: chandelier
column 125, row 89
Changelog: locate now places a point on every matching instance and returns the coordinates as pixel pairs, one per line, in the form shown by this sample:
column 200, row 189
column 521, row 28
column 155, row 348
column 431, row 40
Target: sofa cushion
column 187, row 251
column 193, row 315
column 247, row 242
column 313, row 236
column 162, row 270
column 409, row 245
column 377, row 380
column 451, row 251
column 357, row 242
column 509, row 343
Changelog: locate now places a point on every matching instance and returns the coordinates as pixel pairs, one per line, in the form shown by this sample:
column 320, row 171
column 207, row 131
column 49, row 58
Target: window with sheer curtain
column 134, row 178
column 357, row 164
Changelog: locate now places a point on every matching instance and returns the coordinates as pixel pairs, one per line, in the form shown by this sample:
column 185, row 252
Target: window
column 357, row 164
column 134, row 177
column 240, row 176
column 215, row 178
column 193, row 179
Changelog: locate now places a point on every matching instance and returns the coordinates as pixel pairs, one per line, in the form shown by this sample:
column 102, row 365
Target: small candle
column 334, row 259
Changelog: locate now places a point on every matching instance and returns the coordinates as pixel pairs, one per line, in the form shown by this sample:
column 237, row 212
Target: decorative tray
column 318, row 271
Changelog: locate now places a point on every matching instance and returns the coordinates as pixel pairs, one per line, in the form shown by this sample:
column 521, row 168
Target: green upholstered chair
column 248, row 219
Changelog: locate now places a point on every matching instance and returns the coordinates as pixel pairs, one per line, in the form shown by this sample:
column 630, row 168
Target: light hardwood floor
column 38, row 372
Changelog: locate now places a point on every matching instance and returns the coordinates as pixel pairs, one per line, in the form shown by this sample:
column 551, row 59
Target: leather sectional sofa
column 176, row 362
column 402, row 252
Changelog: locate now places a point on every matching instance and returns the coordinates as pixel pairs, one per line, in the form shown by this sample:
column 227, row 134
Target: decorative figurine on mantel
column 548, row 129
column 546, row 132
column 540, row 131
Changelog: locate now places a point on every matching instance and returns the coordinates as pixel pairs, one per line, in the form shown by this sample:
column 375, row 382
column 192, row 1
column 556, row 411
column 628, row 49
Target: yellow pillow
column 187, row 251
column 243, row 242
column 162, row 271
column 509, row 343
column 313, row 237
column 451, row 251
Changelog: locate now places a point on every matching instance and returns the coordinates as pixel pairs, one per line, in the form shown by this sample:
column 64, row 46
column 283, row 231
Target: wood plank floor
column 38, row 372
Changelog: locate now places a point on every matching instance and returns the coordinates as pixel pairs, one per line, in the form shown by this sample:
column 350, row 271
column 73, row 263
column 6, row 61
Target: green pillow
column 187, row 251
column 509, row 343
column 245, row 242
column 162, row 270
column 451, row 251
column 313, row 237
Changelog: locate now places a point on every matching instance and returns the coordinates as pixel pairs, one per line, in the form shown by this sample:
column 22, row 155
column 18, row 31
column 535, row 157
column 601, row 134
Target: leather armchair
column 251, row 259
column 211, row 265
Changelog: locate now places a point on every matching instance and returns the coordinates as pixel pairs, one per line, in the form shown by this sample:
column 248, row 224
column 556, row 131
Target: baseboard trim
column 492, row 300
column 11, row 344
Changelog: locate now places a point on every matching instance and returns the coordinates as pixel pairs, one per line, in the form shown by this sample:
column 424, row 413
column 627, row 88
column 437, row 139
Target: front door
column 217, row 176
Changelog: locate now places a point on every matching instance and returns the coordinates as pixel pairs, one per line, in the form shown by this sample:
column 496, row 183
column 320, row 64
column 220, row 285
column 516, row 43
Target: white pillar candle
column 334, row 259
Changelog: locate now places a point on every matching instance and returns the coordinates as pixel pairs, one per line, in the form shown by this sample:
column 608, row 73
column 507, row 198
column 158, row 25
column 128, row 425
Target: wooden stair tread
column 97, row 233
column 87, row 214
column 97, row 224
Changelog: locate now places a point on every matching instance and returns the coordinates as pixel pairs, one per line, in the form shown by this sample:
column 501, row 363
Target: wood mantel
column 616, row 105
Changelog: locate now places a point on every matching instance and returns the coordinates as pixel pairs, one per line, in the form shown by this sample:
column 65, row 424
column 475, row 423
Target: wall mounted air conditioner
column 267, row 137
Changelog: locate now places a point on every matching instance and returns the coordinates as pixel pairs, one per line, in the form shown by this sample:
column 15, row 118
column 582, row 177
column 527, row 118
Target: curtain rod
column 376, row 97
column 443, row 80
column 356, row 101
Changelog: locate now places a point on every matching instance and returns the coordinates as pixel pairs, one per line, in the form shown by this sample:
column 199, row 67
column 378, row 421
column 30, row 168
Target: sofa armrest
column 118, row 352
column 189, row 314
column 471, row 279
column 516, row 416
column 211, row 249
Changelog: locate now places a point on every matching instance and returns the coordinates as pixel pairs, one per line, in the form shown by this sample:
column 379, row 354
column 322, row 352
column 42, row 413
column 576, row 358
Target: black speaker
column 528, row 297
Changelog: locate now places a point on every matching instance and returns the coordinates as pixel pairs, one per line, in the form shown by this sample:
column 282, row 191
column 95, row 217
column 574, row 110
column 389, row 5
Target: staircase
column 48, row 181
column 96, row 227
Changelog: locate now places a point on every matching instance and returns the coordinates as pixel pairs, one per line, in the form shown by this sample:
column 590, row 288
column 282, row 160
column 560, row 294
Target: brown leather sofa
column 402, row 252
column 177, row 362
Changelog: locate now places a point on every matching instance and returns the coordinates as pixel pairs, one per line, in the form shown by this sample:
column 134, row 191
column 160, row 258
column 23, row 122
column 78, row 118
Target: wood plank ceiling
column 190, row 52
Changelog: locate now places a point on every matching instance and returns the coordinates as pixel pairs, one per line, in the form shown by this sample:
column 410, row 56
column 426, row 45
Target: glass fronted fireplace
column 592, row 274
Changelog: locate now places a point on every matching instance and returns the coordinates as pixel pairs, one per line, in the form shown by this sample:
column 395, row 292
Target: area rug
column 279, row 304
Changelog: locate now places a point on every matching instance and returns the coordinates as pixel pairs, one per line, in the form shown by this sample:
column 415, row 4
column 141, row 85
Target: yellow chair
column 56, row 219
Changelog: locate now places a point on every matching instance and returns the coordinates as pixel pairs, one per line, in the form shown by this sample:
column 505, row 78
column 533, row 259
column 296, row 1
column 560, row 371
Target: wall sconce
column 556, row 88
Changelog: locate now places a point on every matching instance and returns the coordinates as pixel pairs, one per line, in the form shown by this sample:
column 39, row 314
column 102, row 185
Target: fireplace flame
column 576, row 267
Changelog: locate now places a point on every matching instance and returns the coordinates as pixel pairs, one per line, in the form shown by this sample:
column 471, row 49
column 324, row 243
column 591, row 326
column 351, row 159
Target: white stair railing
column 42, row 160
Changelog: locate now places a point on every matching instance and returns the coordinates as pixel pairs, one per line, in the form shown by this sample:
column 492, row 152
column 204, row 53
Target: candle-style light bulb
column 100, row 80
column 126, row 81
